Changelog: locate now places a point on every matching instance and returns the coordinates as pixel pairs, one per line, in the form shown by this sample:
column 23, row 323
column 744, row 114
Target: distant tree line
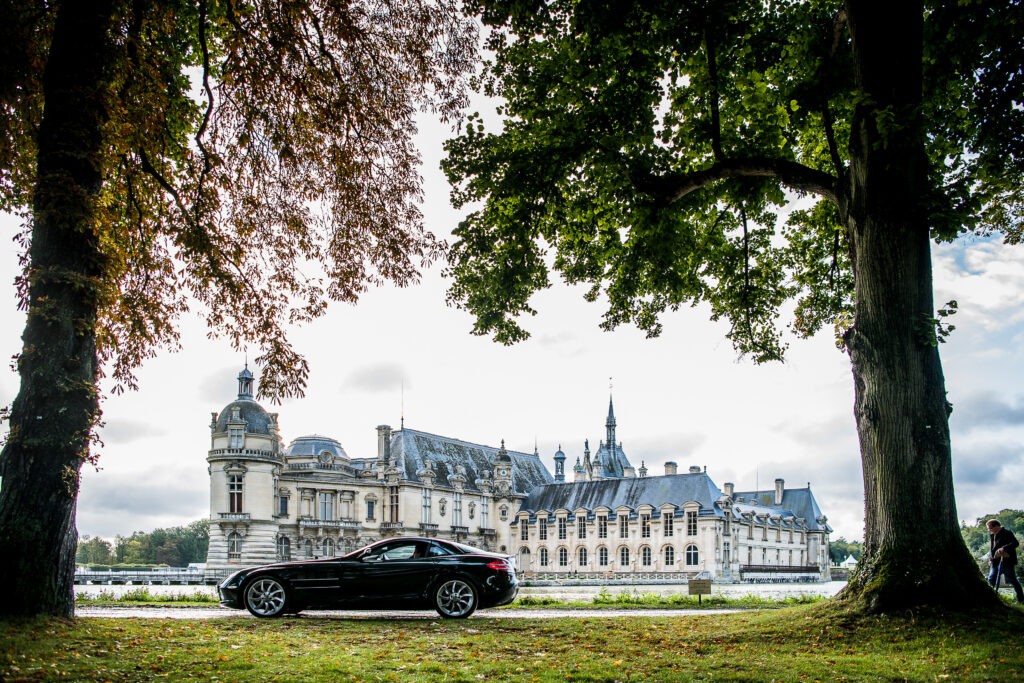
column 174, row 547
column 840, row 549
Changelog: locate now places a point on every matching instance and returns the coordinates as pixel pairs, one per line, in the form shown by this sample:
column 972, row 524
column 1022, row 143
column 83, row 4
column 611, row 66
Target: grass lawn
column 805, row 643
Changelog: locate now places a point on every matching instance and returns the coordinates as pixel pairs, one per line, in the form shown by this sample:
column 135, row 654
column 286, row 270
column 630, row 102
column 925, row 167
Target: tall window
column 562, row 523
column 236, row 437
column 691, row 523
column 307, row 548
column 282, row 506
column 581, row 526
column 602, row 527
column 371, row 506
column 581, row 558
column 425, row 513
column 235, row 493
column 645, row 526
column 234, row 546
column 750, row 529
column 645, row 556
column 393, row 504
column 602, row 556
column 778, row 534
column 457, row 509
column 328, row 547
column 542, row 528
column 726, row 526
column 284, row 548
column 543, row 557
column 725, row 553
column 670, row 556
column 623, row 526
column 326, row 505
column 624, row 556
column 563, row 557
column 669, row 524
column 692, row 556
column 524, row 530
column 485, row 513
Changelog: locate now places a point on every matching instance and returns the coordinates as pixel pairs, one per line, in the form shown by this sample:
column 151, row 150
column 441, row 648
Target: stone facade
column 311, row 499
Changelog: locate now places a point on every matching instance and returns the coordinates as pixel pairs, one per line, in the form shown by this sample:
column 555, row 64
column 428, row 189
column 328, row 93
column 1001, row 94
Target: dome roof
column 314, row 445
column 257, row 420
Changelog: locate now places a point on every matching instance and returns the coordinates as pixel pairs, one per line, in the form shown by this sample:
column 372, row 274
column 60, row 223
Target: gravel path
column 419, row 615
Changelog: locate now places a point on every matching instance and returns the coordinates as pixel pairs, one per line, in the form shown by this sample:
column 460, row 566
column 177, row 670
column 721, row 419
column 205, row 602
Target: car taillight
column 499, row 566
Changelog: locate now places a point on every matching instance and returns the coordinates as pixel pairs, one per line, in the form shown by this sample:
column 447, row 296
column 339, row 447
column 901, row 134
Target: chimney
column 383, row 443
column 779, row 484
column 671, row 468
column 728, row 488
column 694, row 469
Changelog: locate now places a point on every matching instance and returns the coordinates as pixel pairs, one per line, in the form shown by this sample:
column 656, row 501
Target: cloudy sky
column 684, row 397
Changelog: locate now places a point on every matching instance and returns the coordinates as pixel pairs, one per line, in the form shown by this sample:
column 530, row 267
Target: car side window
column 400, row 552
column 437, row 550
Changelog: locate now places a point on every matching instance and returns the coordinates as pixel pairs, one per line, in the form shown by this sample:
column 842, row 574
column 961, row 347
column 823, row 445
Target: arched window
column 602, row 556
column 284, row 548
column 581, row 558
column 670, row 556
column 692, row 556
column 624, row 556
column 234, row 546
column 328, row 547
column 543, row 557
column 307, row 548
column 563, row 557
column 645, row 556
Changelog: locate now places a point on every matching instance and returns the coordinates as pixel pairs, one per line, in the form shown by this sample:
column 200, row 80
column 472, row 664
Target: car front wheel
column 455, row 599
column 266, row 597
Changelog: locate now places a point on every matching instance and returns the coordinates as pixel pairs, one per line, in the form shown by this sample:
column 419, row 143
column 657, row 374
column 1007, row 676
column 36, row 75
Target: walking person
column 1003, row 556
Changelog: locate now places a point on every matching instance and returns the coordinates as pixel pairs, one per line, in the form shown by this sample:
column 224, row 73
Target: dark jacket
column 1004, row 540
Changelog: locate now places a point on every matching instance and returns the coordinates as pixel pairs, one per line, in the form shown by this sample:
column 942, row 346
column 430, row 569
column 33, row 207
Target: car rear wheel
column 266, row 597
column 455, row 599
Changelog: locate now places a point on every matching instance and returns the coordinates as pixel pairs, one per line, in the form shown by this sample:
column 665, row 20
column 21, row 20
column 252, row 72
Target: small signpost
column 699, row 587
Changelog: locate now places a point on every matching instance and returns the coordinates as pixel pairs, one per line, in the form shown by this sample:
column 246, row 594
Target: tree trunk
column 913, row 551
column 57, row 406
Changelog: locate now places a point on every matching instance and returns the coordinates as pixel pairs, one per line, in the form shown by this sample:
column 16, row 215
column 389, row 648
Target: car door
column 396, row 572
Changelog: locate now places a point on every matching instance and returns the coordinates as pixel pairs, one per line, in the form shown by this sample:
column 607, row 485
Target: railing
column 159, row 577
column 771, row 572
column 488, row 532
column 429, row 527
column 460, row 530
column 235, row 516
column 391, row 526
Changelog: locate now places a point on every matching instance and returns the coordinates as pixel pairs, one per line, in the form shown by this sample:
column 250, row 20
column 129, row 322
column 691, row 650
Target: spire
column 610, row 424
column 245, row 383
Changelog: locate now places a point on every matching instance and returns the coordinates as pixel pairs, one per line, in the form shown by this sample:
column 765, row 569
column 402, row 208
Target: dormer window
column 236, row 437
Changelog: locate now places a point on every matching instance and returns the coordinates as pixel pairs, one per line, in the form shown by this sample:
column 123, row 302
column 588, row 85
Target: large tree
column 645, row 149
column 253, row 156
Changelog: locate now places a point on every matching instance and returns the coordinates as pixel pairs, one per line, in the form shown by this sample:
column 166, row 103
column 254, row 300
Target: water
column 775, row 591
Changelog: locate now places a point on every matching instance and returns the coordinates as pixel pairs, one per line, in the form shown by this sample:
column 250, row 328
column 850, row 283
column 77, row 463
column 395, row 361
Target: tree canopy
column 777, row 161
column 650, row 147
column 252, row 158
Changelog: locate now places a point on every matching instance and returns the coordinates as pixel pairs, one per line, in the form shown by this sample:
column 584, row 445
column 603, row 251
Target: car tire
column 266, row 597
column 455, row 598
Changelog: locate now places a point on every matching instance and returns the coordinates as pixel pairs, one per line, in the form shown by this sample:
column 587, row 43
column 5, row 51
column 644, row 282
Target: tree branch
column 672, row 187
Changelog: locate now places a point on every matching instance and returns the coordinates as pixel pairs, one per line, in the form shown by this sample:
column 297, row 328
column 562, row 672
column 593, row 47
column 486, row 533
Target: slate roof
column 795, row 502
column 631, row 492
column 314, row 445
column 412, row 449
column 257, row 420
column 613, row 461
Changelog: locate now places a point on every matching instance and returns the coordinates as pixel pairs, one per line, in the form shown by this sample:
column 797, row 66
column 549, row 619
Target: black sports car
column 396, row 573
